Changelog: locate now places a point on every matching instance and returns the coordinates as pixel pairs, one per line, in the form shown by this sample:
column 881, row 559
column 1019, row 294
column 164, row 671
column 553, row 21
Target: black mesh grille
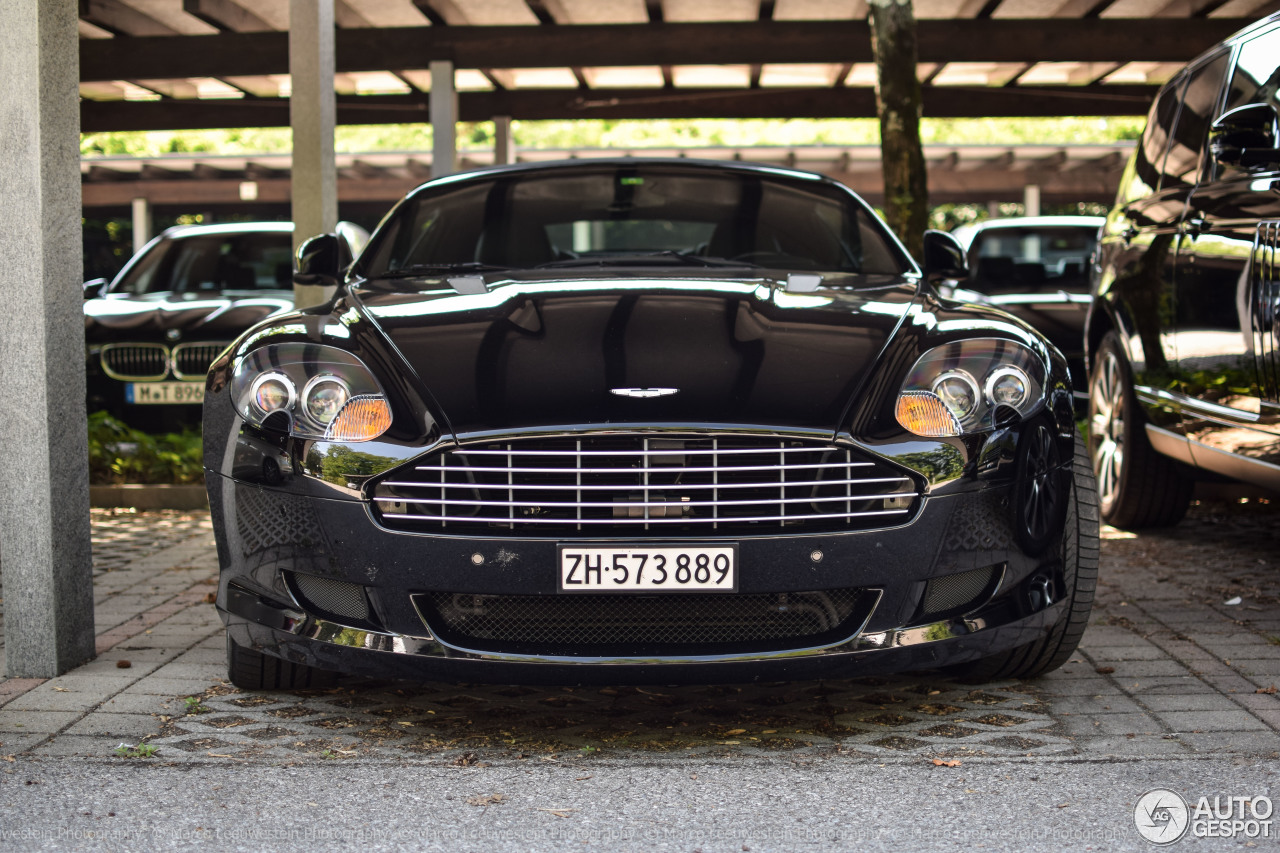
column 333, row 598
column 957, row 592
column 635, row 485
column 631, row 625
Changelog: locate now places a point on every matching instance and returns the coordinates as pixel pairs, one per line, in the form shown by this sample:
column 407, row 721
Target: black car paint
column 1184, row 277
column 316, row 526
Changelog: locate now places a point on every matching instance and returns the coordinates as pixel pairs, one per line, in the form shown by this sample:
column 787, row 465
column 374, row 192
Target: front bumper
column 264, row 533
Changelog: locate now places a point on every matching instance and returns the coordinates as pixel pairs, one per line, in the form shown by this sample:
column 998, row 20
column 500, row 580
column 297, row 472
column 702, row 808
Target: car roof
column 966, row 233
column 179, row 232
column 588, row 164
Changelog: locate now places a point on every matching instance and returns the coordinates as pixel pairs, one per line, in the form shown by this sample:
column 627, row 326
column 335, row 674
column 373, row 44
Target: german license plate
column 162, row 393
column 661, row 568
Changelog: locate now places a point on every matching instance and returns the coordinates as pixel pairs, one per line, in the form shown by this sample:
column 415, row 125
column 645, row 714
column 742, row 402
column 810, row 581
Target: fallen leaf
column 769, row 732
column 1064, row 805
column 1105, row 670
column 217, row 755
column 938, row 762
column 490, row 800
column 10, row 758
column 934, row 692
column 556, row 812
column 123, row 664
column 62, row 690
column 736, row 732
column 1270, row 690
column 403, row 723
column 585, row 778
column 728, row 742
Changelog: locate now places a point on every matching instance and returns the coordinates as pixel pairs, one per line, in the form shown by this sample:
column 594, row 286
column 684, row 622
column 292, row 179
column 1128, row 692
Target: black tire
column 250, row 669
column 1137, row 487
column 1079, row 552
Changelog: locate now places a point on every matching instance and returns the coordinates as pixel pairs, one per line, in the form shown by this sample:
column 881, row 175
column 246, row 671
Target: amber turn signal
column 361, row 419
column 924, row 413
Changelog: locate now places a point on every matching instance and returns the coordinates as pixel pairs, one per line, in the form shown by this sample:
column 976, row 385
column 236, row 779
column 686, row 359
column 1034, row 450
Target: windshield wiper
column 647, row 258
column 424, row 270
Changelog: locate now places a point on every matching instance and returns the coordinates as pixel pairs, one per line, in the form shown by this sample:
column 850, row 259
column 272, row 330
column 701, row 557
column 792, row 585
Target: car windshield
column 212, row 262
column 631, row 215
column 1031, row 259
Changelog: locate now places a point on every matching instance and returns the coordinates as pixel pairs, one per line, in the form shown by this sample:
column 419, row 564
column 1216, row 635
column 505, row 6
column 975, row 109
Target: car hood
column 153, row 316
column 534, row 352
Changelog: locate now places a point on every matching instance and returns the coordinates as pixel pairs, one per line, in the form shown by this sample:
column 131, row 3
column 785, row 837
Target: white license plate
column 162, row 393
column 661, row 568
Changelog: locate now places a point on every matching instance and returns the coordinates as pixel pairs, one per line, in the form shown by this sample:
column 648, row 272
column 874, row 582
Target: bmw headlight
column 313, row 391
column 960, row 387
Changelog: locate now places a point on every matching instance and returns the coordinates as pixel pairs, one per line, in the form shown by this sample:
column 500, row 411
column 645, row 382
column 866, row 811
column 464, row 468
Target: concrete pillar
column 45, row 549
column 444, row 119
column 141, row 223
column 1031, row 200
column 504, row 145
column 312, row 112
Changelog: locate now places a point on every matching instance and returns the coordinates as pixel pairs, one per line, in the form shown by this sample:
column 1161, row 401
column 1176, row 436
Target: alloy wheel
column 1106, row 428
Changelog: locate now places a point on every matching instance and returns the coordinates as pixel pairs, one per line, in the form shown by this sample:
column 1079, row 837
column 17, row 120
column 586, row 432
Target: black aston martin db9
column 643, row 420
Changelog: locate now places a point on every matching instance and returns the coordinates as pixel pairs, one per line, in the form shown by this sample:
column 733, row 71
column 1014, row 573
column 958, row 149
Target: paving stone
column 1106, row 654
column 42, row 722
column 79, row 746
column 45, row 698
column 170, row 686
column 1112, row 724
column 1142, row 745
column 144, row 703
column 1190, row 702
column 105, row 723
column 1269, row 668
column 1211, row 721
column 12, row 743
column 1263, row 743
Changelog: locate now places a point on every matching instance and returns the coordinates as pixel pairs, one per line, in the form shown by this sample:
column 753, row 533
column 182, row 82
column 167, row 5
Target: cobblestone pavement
column 1181, row 660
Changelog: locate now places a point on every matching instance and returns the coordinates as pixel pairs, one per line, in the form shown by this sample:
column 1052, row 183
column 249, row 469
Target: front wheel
column 1137, row 487
column 1078, row 548
column 250, row 669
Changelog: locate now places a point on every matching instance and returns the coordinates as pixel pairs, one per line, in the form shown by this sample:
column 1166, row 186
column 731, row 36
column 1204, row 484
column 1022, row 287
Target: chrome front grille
column 137, row 362
column 191, row 361
column 636, row 485
column 147, row 362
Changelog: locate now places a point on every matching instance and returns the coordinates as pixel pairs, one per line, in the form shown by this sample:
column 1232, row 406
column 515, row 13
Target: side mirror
column 353, row 239
column 93, row 287
column 319, row 262
column 1246, row 137
column 944, row 257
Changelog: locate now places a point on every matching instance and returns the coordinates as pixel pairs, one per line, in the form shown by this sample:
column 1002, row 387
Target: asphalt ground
column 1172, row 688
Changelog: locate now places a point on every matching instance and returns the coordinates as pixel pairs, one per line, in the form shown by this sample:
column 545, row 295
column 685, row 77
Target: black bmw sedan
column 642, row 420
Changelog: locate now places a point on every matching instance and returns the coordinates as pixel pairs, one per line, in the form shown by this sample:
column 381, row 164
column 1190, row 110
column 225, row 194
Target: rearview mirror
column 1246, row 137
column 944, row 257
column 319, row 262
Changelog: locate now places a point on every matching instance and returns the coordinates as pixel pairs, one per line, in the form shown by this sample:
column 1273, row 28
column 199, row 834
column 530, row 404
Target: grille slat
column 557, row 486
column 191, row 361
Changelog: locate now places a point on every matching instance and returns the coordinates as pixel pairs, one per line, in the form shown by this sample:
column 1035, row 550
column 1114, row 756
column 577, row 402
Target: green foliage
column 193, row 706
column 142, row 750
column 121, row 454
column 623, row 134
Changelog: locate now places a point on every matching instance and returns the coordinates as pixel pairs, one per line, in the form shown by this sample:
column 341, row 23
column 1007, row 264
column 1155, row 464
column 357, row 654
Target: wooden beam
column 226, row 15
column 531, row 105
column 115, row 17
column 613, row 45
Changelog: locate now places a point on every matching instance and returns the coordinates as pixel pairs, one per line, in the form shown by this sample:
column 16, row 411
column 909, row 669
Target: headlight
column 339, row 399
column 957, row 388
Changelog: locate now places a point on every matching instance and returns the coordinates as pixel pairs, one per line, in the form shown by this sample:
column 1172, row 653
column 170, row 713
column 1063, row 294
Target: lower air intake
column 959, row 593
column 637, row 625
column 329, row 598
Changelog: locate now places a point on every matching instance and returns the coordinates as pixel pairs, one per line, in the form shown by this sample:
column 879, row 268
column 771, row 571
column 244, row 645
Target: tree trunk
column 906, row 192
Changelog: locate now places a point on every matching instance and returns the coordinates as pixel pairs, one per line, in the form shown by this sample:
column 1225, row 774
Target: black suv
column 1182, row 336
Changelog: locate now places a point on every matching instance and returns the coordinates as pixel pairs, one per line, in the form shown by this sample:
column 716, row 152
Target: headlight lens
column 970, row 380
column 340, row 399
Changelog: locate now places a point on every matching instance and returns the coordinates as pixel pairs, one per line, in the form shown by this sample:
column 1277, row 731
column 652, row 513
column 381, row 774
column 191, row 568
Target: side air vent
column 331, row 599
column 953, row 595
